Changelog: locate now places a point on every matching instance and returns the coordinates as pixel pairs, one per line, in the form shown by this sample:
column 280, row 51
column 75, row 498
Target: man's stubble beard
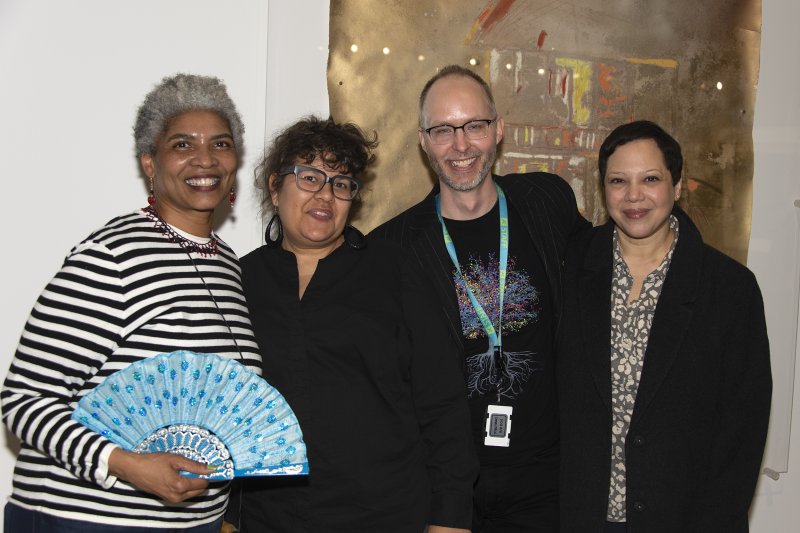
column 485, row 170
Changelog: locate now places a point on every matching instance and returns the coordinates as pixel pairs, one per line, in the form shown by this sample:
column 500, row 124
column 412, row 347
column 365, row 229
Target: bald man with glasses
column 493, row 247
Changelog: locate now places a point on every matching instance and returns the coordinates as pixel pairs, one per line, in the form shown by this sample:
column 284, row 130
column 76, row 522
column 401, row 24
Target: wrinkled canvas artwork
column 564, row 73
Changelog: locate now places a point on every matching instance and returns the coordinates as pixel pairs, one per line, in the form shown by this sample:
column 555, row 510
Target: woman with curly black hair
column 351, row 338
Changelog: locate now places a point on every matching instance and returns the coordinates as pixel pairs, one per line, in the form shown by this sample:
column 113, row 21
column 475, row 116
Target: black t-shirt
column 528, row 383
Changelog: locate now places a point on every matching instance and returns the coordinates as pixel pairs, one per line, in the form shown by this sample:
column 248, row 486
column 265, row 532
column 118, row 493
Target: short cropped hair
column 343, row 146
column 454, row 70
column 642, row 129
column 175, row 95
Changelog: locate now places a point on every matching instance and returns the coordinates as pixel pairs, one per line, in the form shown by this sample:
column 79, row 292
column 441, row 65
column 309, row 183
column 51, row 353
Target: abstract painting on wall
column 564, row 74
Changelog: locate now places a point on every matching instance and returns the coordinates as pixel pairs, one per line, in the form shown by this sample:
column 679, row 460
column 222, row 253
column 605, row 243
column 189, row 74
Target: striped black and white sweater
column 123, row 294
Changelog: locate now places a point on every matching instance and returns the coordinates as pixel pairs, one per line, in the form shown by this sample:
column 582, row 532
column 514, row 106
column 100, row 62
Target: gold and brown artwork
column 564, row 74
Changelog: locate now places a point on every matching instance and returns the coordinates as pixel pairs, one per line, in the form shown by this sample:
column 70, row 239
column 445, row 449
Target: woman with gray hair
column 152, row 281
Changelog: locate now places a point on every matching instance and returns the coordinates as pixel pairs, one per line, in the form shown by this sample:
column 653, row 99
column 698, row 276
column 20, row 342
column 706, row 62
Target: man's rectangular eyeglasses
column 473, row 130
column 312, row 179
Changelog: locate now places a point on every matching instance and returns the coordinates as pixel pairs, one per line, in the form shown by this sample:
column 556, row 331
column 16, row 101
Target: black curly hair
column 344, row 147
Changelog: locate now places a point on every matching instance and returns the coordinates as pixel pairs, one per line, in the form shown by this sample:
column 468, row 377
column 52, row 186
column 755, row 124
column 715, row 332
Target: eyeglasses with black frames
column 312, row 179
column 474, row 130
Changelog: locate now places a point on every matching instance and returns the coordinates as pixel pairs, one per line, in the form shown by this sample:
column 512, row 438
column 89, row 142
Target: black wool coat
column 699, row 424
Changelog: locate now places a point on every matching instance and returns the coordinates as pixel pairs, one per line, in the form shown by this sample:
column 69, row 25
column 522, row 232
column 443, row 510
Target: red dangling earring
column 232, row 196
column 151, row 198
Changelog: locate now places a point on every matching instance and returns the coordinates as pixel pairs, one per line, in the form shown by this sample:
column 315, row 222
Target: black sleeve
column 743, row 408
column 441, row 405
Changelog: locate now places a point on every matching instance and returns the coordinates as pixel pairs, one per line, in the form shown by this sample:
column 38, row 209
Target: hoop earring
column 151, row 198
column 268, row 240
column 232, row 195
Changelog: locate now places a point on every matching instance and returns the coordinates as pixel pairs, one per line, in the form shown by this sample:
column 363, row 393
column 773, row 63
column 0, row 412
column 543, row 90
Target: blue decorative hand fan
column 202, row 406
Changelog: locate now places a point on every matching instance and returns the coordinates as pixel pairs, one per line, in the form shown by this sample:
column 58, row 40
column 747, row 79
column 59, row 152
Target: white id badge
column 498, row 425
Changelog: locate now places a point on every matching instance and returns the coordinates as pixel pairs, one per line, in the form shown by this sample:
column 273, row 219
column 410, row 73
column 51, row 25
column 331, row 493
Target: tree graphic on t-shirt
column 520, row 308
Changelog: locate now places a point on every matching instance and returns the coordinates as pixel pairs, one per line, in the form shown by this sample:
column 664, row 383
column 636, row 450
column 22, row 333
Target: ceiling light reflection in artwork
column 563, row 77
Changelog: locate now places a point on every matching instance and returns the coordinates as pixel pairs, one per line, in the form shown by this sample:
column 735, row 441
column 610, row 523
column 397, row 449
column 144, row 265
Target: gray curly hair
column 177, row 94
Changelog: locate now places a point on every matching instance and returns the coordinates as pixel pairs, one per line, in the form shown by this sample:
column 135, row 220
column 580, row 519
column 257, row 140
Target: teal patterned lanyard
column 494, row 335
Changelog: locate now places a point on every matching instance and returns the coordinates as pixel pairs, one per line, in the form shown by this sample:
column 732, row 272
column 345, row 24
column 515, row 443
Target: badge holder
column 498, row 425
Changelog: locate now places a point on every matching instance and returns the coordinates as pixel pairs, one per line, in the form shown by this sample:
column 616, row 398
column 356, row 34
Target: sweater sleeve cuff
column 451, row 510
column 102, row 476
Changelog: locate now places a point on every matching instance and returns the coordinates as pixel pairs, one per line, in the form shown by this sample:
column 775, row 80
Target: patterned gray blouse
column 630, row 331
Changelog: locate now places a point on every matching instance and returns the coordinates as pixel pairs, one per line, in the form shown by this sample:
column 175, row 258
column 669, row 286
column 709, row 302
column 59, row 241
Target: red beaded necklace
column 210, row 248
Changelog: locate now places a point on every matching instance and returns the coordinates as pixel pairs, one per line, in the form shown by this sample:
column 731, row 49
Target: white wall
column 774, row 253
column 74, row 72
column 71, row 77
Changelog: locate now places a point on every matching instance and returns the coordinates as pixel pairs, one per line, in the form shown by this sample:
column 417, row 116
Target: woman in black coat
column 663, row 365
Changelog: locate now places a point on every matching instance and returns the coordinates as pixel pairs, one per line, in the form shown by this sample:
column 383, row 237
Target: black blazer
column 546, row 204
column 700, row 419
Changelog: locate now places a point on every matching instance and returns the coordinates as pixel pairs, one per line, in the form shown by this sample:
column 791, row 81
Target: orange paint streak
column 604, row 76
column 487, row 61
column 485, row 13
column 497, row 13
column 604, row 100
column 659, row 62
column 478, row 24
column 608, row 98
column 540, row 41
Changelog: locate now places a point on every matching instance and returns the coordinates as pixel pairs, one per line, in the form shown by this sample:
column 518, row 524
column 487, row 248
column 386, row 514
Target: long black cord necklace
column 209, row 249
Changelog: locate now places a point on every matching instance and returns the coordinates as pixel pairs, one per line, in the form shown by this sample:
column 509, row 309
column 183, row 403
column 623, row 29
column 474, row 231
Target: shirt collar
column 661, row 271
